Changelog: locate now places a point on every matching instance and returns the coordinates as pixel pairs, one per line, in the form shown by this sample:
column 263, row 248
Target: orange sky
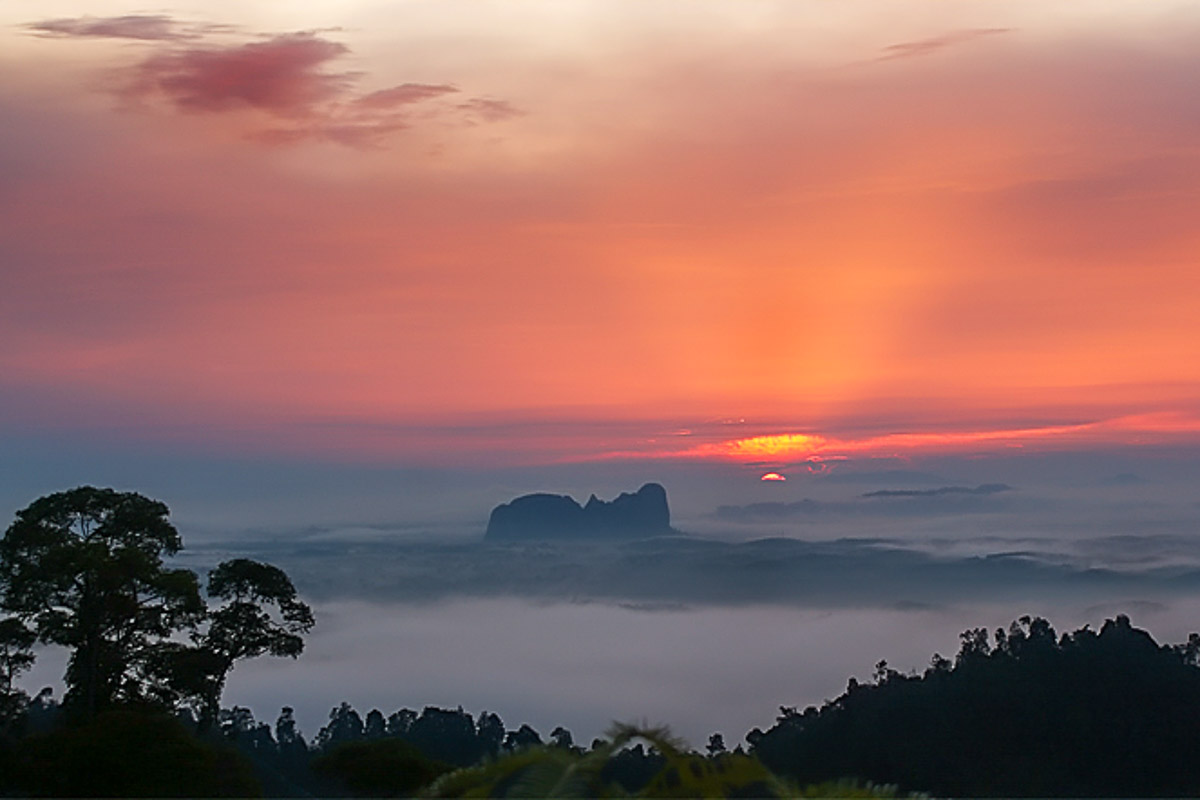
column 907, row 217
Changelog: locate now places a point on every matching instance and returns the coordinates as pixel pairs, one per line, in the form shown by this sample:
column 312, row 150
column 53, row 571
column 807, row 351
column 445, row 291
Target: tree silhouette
column 261, row 615
column 15, row 657
column 674, row 771
column 85, row 568
column 375, row 726
column 378, row 767
column 345, row 725
column 561, row 737
column 123, row 753
column 1089, row 713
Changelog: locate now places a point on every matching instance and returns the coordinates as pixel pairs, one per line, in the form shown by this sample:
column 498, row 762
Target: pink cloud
column 924, row 47
column 282, row 76
column 148, row 27
column 404, row 94
column 490, row 109
column 285, row 77
column 368, row 134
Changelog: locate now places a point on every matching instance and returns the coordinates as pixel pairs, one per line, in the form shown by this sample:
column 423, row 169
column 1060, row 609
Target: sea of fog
column 768, row 596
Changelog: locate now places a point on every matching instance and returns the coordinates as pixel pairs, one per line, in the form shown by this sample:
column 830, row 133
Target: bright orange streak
column 784, row 445
column 922, row 441
column 1133, row 429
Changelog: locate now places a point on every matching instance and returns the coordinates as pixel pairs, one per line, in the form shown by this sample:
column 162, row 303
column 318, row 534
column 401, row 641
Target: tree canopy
column 85, row 569
column 1107, row 713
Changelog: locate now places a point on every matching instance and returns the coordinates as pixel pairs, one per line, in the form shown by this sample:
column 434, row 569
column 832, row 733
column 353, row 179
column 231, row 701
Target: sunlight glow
column 816, row 453
column 787, row 445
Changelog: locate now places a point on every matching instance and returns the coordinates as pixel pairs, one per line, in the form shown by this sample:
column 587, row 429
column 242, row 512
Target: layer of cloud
column 934, row 44
column 289, row 77
column 941, row 491
column 404, row 94
column 687, row 571
column 144, row 27
column 490, row 109
column 890, row 503
column 283, row 76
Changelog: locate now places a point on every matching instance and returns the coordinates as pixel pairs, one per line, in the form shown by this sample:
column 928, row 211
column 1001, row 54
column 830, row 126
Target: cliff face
column 556, row 516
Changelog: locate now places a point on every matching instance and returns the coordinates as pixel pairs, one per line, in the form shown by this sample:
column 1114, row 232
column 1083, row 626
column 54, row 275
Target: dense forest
column 1020, row 711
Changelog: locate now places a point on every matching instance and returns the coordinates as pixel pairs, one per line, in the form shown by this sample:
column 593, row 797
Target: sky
column 493, row 233
column 334, row 276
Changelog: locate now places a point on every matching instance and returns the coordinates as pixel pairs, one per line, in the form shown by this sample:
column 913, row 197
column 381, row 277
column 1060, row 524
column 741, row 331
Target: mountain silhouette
column 559, row 517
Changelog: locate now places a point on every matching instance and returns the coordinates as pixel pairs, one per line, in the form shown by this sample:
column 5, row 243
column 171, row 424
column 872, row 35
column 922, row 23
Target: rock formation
column 559, row 517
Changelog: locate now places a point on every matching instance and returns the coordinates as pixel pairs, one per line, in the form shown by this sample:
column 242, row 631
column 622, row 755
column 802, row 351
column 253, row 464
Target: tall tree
column 85, row 569
column 261, row 615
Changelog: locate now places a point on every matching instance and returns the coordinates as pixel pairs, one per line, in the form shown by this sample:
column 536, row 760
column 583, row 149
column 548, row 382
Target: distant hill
column 559, row 517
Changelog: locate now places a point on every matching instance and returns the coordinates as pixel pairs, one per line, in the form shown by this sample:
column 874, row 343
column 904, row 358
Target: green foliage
column 380, row 768
column 129, row 754
column 531, row 772
column 558, row 772
column 846, row 787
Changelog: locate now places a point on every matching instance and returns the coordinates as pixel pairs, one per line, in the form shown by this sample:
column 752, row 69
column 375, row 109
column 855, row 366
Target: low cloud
column 752, row 512
column 888, row 502
column 490, row 109
column 144, row 27
column 985, row 489
column 673, row 572
column 404, row 94
column 925, row 47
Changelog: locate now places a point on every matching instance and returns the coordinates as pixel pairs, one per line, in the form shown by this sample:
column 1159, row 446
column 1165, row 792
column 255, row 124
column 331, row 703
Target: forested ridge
column 1090, row 713
column 1018, row 711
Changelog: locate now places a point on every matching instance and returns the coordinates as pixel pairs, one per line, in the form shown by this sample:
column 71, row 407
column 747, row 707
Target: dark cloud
column 145, row 27
column 282, row 75
column 924, row 47
column 984, row 489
